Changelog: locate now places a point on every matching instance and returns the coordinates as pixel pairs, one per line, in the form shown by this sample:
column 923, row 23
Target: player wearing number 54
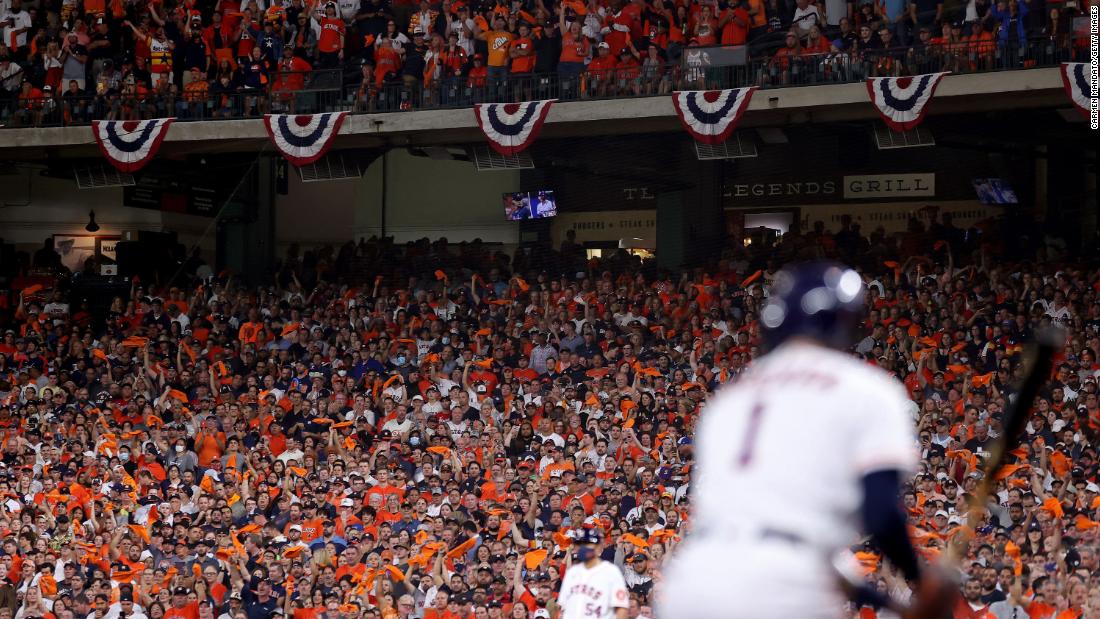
column 592, row 588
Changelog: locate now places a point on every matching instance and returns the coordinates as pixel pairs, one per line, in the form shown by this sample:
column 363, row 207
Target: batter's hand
column 935, row 596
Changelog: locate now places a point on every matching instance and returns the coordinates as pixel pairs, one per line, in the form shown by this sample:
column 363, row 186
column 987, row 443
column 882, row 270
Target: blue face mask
column 445, row 340
column 400, row 361
column 585, row 554
column 414, row 440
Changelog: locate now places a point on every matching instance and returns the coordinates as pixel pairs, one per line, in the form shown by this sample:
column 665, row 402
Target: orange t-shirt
column 218, row 592
column 357, row 570
column 206, row 446
column 602, row 65
column 523, row 64
column 1039, row 610
column 276, row 443
column 332, row 35
column 191, row 611
column 249, row 332
column 499, row 42
column 308, row 613
column 386, row 61
column 732, row 33
column 311, row 529
column 761, row 17
column 525, row 374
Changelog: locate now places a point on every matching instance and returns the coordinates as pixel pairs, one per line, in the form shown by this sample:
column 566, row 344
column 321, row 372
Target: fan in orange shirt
column 438, row 609
column 181, row 608
column 601, row 70
column 522, row 51
column 209, row 443
column 330, row 44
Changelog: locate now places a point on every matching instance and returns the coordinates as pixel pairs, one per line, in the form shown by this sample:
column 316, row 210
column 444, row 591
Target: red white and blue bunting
column 903, row 101
column 512, row 127
column 710, row 116
column 130, row 144
column 303, row 138
column 1076, row 77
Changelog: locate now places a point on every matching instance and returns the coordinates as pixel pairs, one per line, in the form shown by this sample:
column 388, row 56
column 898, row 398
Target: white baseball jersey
column 780, row 458
column 592, row 593
column 791, row 441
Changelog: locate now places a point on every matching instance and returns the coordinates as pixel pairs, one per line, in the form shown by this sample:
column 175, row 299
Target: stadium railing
column 326, row 90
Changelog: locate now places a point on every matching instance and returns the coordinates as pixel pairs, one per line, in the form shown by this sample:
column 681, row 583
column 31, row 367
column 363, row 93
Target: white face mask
column 179, row 449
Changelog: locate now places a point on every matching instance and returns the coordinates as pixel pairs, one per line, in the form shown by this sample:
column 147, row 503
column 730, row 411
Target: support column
column 1041, row 177
column 246, row 230
column 690, row 226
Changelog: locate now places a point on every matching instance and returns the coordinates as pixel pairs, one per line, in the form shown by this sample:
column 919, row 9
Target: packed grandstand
column 413, row 431
column 75, row 61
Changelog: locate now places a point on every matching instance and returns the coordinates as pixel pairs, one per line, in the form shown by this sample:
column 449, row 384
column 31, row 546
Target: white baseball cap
column 347, row 503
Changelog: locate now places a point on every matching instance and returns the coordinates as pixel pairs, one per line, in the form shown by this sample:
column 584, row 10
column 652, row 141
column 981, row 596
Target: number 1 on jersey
column 747, row 443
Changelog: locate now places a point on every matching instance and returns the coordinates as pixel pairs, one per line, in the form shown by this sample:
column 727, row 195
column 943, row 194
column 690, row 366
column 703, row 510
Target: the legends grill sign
column 890, row 186
column 818, row 191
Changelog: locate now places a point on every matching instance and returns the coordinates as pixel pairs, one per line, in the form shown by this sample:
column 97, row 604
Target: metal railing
column 326, row 90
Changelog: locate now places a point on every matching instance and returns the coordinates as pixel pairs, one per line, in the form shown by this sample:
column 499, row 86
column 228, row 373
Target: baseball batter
column 592, row 588
column 792, row 458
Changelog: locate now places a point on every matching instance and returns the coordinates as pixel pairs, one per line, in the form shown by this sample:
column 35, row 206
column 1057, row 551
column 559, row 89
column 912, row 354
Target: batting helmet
column 819, row 300
column 586, row 535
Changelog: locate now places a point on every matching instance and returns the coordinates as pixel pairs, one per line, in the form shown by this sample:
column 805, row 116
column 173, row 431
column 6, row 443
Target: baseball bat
column 1041, row 359
column 1039, row 363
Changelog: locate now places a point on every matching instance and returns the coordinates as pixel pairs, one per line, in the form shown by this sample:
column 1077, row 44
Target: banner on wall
column 903, row 101
column 710, row 116
column 303, row 138
column 1077, row 80
column 512, row 127
column 130, row 144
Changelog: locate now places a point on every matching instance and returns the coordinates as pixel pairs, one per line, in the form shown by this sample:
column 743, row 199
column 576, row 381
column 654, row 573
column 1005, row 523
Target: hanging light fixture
column 92, row 225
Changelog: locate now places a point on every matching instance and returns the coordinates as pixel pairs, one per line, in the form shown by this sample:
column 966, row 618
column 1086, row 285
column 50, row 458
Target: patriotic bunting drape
column 903, row 101
column 130, row 144
column 511, row 127
column 1075, row 77
column 303, row 138
column 710, row 116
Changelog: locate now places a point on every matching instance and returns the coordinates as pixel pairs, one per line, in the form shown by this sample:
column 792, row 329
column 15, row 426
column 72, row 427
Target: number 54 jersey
column 592, row 593
column 782, row 451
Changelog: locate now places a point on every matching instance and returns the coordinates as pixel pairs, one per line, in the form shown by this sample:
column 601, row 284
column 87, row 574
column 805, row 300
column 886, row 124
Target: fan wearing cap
column 125, row 607
column 592, row 587
column 809, row 439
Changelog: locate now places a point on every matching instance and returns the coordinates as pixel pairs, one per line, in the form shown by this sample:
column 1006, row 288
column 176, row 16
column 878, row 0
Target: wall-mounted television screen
column 994, row 191
column 530, row 205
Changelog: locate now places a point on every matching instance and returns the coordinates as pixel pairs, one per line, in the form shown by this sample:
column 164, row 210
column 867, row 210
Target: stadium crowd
column 70, row 61
column 412, row 431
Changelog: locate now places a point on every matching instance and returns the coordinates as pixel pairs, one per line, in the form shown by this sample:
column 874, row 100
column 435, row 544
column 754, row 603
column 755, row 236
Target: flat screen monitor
column 530, row 205
column 994, row 191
